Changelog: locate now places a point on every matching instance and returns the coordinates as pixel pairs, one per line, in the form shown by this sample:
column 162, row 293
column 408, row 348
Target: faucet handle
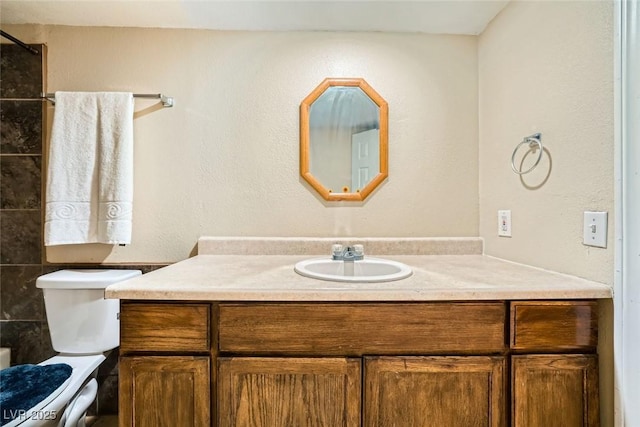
column 336, row 249
column 358, row 249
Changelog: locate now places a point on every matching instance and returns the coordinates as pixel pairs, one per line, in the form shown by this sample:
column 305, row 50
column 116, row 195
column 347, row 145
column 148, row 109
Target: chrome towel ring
column 532, row 140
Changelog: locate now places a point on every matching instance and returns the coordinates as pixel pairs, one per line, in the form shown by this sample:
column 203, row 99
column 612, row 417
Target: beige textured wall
column 548, row 67
column 224, row 160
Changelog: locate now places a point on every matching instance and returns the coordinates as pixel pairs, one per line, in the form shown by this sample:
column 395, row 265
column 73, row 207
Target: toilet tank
column 81, row 320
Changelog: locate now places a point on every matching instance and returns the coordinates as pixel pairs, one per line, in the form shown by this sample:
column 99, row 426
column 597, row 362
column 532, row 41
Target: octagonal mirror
column 344, row 139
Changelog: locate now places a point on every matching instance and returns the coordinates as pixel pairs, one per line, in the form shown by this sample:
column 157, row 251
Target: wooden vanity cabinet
column 165, row 365
column 488, row 363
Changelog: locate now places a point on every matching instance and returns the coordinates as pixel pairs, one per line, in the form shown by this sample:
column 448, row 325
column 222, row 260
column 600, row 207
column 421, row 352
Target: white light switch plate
column 504, row 223
column 595, row 229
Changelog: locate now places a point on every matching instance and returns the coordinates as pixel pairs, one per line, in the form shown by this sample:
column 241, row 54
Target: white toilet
column 83, row 325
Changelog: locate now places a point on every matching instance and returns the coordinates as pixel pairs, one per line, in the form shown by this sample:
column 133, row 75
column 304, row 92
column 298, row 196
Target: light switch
column 595, row 229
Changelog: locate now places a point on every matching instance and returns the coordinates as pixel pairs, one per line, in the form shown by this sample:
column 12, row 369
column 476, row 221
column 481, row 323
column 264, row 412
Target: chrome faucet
column 347, row 253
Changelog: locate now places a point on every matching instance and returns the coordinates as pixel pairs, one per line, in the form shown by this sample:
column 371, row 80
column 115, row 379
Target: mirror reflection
column 344, row 139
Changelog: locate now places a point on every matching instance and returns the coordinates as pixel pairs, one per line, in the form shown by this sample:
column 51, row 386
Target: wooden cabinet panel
column 425, row 364
column 164, row 391
column 278, row 392
column 435, row 391
column 555, row 391
column 554, row 326
column 332, row 329
column 164, row 327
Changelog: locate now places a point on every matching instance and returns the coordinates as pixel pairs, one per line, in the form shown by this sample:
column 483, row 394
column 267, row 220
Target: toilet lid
column 26, row 389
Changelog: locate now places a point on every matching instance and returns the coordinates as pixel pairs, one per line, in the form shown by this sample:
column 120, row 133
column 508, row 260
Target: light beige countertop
column 251, row 277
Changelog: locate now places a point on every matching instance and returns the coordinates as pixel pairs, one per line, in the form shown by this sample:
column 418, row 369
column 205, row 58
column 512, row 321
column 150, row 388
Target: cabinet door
column 434, row 391
column 285, row 392
column 164, row 391
column 555, row 391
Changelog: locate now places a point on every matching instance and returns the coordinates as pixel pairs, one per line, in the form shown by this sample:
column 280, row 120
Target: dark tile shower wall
column 23, row 324
column 22, row 317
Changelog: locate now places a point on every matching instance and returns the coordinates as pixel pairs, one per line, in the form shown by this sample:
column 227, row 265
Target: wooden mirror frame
column 305, row 136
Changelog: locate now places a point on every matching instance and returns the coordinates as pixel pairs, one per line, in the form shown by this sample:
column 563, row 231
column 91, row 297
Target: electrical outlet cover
column 504, row 223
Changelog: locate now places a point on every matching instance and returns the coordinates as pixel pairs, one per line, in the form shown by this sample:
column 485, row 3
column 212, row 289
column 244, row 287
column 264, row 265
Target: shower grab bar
column 167, row 101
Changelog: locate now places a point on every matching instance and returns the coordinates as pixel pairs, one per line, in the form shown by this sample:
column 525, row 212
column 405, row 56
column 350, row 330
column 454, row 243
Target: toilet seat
column 54, row 405
column 22, row 414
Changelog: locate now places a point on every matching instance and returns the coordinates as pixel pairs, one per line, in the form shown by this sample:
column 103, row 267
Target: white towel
column 90, row 175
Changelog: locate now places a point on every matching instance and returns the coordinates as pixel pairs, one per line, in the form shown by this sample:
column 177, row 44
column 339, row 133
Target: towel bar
column 167, row 101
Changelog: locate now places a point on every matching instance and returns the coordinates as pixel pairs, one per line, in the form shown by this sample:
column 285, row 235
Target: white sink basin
column 367, row 270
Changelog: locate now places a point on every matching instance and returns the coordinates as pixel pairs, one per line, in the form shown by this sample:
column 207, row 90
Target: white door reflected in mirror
column 365, row 154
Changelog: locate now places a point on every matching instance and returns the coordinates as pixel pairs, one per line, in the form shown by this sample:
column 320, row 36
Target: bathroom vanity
column 241, row 340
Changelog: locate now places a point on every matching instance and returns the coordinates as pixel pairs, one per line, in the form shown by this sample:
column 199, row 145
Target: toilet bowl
column 83, row 326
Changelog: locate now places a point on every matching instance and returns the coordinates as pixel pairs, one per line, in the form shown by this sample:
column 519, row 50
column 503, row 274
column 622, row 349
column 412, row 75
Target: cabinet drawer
column 164, row 327
column 554, row 325
column 334, row 329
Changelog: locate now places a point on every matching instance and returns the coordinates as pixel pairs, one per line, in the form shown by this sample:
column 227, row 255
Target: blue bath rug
column 24, row 386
